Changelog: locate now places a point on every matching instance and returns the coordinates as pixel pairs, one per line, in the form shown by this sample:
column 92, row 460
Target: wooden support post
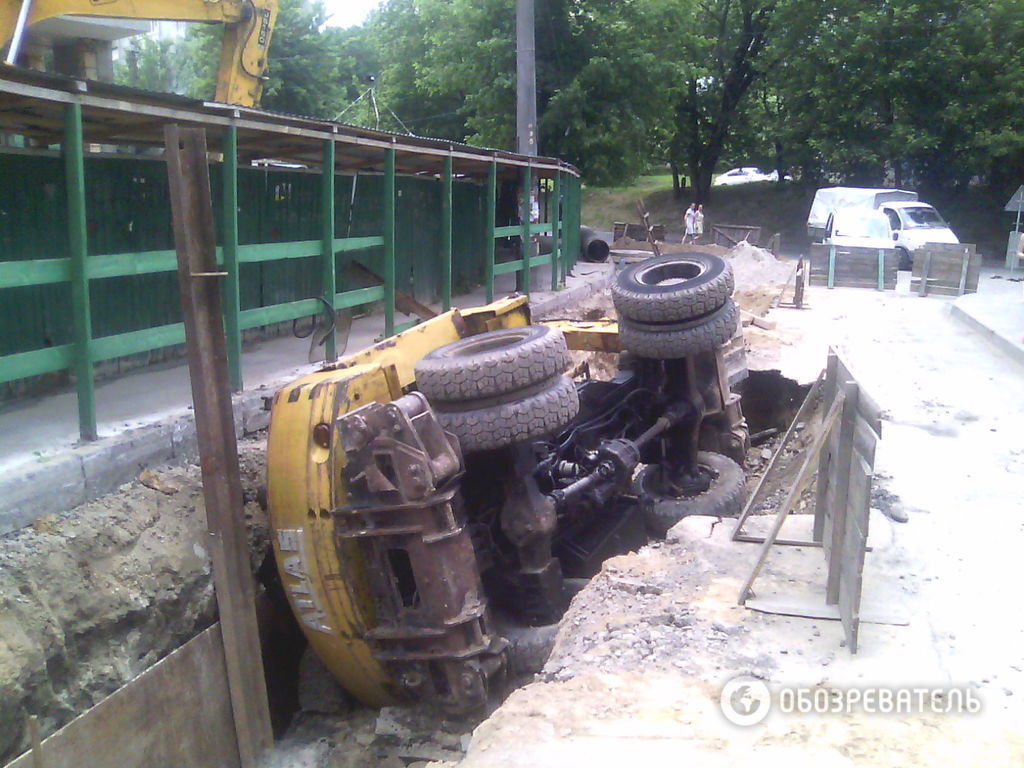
column 189, row 177
column 492, row 205
column 881, row 269
column 328, row 271
column 963, row 273
column 446, row 235
column 389, row 242
column 78, row 238
column 926, row 269
column 841, row 472
column 555, row 217
column 832, row 267
column 829, row 391
column 232, row 287
column 799, row 284
column 526, row 216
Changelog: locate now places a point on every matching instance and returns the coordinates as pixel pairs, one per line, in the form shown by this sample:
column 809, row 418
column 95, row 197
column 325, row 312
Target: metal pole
column 389, row 242
column 328, row 279
column 526, row 79
column 232, row 291
column 525, row 237
column 555, row 217
column 446, row 236
column 492, row 204
column 19, row 33
column 74, row 170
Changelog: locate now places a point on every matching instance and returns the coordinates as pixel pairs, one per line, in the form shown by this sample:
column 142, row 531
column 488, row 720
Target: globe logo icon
column 745, row 700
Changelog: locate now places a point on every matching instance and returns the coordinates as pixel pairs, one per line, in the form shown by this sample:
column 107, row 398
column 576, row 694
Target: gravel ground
column 645, row 649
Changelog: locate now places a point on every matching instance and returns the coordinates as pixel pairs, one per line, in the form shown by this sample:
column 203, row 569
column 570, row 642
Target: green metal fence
column 87, row 266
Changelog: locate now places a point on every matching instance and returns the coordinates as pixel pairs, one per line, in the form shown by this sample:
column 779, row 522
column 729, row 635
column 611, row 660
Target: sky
column 345, row 13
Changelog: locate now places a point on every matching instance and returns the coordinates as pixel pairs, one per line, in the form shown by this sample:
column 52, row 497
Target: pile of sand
column 757, row 268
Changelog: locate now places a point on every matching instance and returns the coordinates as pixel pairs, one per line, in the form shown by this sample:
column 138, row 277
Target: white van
column 861, row 227
column 828, row 200
column 913, row 224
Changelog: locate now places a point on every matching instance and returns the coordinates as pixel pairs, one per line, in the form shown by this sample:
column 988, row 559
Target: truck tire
column 905, row 262
column 540, row 411
column 492, row 364
column 724, row 498
column 673, row 288
column 673, row 341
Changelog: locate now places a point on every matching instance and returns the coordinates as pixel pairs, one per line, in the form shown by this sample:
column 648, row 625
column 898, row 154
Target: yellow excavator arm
column 248, row 28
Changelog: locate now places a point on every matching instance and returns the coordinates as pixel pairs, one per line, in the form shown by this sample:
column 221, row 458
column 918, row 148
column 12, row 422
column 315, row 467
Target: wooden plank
column 867, row 408
column 801, row 417
column 851, row 556
column 176, row 713
column 802, row 477
column 192, row 216
column 839, row 481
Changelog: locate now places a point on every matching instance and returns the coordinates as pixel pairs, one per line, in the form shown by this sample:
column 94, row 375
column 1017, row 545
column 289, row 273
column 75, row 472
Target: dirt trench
column 92, row 597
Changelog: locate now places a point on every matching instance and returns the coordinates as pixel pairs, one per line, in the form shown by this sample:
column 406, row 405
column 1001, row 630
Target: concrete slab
column 996, row 311
column 145, row 417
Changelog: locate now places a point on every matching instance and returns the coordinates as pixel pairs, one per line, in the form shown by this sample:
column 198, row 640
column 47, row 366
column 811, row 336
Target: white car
column 747, row 175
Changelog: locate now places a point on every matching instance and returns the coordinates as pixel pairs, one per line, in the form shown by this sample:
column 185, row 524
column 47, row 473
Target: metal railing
column 79, row 268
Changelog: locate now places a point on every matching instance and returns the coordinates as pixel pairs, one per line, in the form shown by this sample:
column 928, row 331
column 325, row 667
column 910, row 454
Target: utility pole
column 526, row 127
column 526, row 79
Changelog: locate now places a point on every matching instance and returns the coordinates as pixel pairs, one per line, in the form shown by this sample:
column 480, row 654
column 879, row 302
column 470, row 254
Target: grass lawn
column 771, row 206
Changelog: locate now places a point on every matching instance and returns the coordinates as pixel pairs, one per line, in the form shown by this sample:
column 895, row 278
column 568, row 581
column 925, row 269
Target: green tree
column 155, row 65
column 314, row 70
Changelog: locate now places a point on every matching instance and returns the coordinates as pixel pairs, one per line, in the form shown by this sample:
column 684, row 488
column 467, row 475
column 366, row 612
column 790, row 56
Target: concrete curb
column 556, row 303
column 1016, row 351
column 78, row 475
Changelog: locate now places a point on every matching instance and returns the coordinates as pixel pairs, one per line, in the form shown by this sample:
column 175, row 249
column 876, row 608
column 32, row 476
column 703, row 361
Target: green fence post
column 525, row 236
column 74, row 174
column 554, row 216
column 328, row 287
column 446, row 236
column 232, row 292
column 832, row 267
column 492, row 205
column 389, row 242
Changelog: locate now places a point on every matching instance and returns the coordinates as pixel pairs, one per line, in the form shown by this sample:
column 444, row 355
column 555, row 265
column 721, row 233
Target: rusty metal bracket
column 432, row 629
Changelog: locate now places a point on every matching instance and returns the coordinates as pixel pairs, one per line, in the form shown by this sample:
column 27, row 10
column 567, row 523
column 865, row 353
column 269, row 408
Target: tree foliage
column 920, row 93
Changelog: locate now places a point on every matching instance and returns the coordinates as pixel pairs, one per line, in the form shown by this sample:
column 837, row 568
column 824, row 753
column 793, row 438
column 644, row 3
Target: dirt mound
column 757, row 268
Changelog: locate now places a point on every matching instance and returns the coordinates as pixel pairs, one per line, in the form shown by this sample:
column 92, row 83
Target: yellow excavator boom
column 249, row 25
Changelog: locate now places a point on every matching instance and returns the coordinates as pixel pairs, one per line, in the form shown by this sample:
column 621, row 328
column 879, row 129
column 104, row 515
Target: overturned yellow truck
column 450, row 484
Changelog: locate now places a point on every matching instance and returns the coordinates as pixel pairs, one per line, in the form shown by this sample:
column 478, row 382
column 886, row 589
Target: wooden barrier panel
column 728, row 235
column 844, row 451
column 948, row 269
column 853, row 267
column 636, row 231
column 176, row 713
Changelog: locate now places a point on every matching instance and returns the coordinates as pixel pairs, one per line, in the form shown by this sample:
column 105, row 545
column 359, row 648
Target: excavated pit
column 94, row 596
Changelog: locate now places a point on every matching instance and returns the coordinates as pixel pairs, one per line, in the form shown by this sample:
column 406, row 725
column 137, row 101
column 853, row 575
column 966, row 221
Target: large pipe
column 19, row 33
column 592, row 245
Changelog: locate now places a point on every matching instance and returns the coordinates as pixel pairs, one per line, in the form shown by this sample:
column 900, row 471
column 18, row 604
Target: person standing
column 698, row 224
column 689, row 219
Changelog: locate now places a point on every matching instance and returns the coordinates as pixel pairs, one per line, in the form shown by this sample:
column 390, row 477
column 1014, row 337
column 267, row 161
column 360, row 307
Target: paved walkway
column 997, row 310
